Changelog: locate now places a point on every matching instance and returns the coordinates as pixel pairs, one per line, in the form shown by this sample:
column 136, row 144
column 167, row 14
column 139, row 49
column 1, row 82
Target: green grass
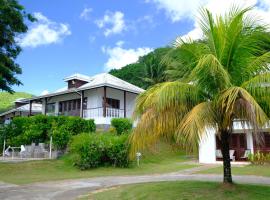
column 7, row 99
column 47, row 170
column 183, row 190
column 258, row 170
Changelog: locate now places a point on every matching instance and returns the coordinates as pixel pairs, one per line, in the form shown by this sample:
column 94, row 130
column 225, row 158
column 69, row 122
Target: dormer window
column 76, row 80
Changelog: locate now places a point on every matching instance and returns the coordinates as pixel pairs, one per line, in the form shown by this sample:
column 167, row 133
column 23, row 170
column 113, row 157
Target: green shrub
column 259, row 158
column 121, row 125
column 95, row 150
column 25, row 130
column 61, row 137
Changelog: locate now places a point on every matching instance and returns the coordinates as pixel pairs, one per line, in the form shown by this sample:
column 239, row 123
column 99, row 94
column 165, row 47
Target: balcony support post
column 125, row 104
column 104, row 101
column 82, row 99
column 30, row 108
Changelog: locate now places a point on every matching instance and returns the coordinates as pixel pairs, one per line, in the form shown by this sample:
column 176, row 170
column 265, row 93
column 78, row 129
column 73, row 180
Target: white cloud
column 178, row 10
column 85, row 13
column 119, row 56
column 44, row 32
column 112, row 23
column 181, row 10
column 44, row 92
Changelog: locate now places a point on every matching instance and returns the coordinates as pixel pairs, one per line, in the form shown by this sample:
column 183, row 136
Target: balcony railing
column 98, row 112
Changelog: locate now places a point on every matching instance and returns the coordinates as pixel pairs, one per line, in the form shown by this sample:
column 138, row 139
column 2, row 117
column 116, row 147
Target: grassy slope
column 258, row 170
column 183, row 190
column 36, row 171
column 7, row 99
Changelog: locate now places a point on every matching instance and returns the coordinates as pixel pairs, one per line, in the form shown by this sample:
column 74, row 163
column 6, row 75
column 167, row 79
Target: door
column 237, row 142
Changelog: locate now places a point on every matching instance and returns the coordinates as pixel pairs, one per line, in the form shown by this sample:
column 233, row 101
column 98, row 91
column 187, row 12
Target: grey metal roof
column 36, row 107
column 99, row 80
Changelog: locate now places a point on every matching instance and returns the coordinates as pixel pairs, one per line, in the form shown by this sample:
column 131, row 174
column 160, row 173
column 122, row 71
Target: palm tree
column 154, row 67
column 219, row 79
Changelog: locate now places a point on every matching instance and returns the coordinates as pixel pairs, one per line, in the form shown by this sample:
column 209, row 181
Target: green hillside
column 7, row 99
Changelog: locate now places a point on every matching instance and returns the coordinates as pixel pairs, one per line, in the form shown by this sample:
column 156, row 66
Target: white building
column 100, row 97
column 242, row 143
column 20, row 109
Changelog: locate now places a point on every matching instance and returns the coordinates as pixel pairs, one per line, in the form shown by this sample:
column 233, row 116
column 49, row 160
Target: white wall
column 131, row 100
column 95, row 100
column 207, row 147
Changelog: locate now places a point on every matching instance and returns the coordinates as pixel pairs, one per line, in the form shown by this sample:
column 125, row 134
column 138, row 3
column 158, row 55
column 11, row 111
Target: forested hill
column 7, row 99
column 148, row 71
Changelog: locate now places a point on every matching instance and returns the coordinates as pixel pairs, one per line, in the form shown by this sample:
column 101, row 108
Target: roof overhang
column 77, row 90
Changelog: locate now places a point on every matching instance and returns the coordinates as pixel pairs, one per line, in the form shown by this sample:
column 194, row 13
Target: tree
column 154, row 67
column 131, row 73
column 148, row 70
column 221, row 78
column 12, row 23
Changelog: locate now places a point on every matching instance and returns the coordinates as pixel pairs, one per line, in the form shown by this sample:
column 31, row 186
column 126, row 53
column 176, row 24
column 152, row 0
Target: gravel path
column 71, row 189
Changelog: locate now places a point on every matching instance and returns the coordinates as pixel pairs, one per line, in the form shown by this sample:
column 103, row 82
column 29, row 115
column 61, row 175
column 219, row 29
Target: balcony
column 92, row 113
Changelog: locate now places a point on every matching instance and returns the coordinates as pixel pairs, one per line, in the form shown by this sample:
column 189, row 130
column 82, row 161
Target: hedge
column 25, row 130
column 96, row 150
column 121, row 125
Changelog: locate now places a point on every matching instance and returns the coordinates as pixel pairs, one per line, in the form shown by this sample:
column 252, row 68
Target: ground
column 59, row 179
column 162, row 161
column 182, row 190
column 258, row 170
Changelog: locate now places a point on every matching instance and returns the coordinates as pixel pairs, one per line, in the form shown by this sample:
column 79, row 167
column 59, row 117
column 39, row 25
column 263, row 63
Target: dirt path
column 71, row 189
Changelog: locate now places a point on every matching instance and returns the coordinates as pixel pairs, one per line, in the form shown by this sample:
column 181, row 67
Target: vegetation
column 259, row 158
column 165, row 160
column 183, row 190
column 256, row 170
column 7, row 99
column 218, row 80
column 121, row 125
column 12, row 23
column 39, row 128
column 148, row 71
column 96, row 150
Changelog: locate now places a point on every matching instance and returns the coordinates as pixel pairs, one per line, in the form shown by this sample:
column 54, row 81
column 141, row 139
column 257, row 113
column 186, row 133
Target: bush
column 95, row 150
column 121, row 125
column 259, row 158
column 25, row 130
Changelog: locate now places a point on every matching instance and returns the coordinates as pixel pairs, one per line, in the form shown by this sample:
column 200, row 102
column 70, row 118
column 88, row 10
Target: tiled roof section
column 106, row 79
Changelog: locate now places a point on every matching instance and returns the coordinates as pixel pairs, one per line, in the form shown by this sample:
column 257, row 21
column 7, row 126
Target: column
column 250, row 142
column 104, row 101
column 30, row 108
column 82, row 98
column 125, row 104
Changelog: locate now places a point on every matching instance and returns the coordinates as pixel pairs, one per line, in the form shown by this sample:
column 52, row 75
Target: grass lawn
column 47, row 170
column 258, row 170
column 183, row 190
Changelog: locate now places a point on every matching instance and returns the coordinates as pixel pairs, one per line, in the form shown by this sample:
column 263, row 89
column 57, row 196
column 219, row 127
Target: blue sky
column 93, row 36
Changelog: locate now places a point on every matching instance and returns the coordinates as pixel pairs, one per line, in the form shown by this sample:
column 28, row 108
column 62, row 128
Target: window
column 50, row 108
column 113, row 103
column 74, row 104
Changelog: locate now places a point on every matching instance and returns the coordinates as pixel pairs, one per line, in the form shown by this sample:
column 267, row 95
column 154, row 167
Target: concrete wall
column 207, row 147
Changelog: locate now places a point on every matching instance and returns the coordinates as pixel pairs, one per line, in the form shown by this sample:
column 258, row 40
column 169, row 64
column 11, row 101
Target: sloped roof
column 99, row 80
column 78, row 77
column 106, row 79
column 36, row 107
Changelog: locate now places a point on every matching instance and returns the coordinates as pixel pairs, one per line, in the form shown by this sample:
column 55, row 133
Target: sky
column 94, row 36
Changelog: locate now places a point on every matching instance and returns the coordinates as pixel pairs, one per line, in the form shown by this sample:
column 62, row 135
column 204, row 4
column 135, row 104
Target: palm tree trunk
column 227, row 174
